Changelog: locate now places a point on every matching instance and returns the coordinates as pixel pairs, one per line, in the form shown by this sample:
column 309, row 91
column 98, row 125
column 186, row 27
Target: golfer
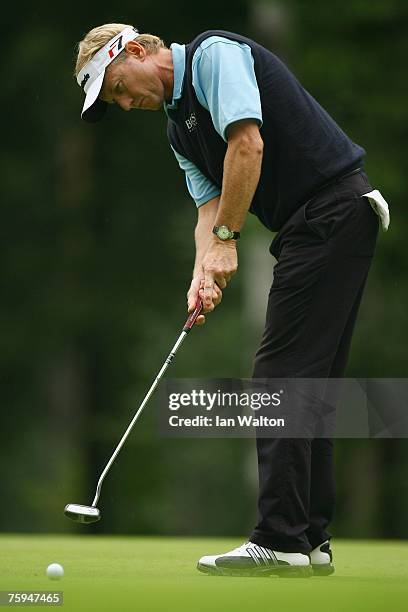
column 249, row 137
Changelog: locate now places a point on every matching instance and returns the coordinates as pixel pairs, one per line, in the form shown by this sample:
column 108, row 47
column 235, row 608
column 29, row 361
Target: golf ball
column 55, row 571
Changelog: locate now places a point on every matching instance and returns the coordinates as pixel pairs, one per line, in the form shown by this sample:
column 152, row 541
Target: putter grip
column 193, row 316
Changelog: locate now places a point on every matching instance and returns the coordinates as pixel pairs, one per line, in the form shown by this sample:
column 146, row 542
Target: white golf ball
column 55, row 571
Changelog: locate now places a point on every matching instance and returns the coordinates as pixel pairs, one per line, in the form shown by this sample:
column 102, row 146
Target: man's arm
column 216, row 260
column 203, row 232
column 206, row 220
column 206, row 196
column 242, row 169
column 225, row 83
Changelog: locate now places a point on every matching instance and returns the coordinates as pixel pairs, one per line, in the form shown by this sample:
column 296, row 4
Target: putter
column 91, row 514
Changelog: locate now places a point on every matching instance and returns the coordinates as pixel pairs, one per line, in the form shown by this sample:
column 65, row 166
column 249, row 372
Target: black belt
column 350, row 173
column 335, row 180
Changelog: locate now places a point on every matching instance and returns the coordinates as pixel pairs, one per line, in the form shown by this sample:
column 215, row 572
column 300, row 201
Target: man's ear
column 134, row 48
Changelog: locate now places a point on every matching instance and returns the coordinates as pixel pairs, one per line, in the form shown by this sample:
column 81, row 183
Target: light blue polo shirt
column 225, row 84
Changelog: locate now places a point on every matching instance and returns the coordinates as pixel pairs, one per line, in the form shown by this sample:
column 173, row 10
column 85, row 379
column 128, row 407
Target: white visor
column 90, row 77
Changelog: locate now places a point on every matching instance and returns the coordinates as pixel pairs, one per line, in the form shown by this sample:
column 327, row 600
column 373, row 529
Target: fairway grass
column 141, row 573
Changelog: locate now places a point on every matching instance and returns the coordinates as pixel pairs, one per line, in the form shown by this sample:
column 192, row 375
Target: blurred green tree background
column 97, row 252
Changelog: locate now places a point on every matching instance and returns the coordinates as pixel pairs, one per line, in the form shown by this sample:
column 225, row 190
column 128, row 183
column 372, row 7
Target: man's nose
column 125, row 103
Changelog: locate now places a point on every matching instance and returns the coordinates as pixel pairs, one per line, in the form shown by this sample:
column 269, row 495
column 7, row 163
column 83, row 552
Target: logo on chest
column 191, row 123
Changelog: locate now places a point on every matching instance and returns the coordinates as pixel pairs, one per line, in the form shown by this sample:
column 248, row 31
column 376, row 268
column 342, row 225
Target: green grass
column 143, row 574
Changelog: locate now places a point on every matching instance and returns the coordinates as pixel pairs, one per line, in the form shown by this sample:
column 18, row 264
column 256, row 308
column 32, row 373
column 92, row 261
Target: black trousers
column 323, row 253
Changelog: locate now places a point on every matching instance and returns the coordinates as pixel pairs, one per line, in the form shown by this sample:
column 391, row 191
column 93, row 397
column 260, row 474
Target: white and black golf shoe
column 321, row 559
column 253, row 560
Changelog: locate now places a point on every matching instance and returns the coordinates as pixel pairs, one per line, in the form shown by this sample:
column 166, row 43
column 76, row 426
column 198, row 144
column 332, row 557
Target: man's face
column 134, row 82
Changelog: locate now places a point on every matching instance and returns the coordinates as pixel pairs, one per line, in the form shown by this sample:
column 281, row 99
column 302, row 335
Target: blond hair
column 98, row 37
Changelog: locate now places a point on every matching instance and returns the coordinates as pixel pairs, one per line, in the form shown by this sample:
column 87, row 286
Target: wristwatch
column 223, row 232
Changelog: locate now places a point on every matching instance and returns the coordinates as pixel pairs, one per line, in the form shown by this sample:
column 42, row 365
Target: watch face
column 223, row 232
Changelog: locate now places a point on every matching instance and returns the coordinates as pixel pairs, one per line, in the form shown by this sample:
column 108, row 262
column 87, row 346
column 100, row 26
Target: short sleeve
column 199, row 186
column 225, row 82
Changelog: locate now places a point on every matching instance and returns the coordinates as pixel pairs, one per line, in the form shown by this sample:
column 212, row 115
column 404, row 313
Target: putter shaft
column 187, row 327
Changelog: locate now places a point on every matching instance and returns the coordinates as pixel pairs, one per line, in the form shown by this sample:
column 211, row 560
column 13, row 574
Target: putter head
column 82, row 514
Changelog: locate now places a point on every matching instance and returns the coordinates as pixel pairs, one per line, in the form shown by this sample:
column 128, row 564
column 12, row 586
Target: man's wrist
column 230, row 242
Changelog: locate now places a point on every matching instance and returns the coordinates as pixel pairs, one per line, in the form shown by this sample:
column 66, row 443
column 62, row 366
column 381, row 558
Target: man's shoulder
column 209, row 37
column 214, row 44
column 215, row 32
column 216, row 38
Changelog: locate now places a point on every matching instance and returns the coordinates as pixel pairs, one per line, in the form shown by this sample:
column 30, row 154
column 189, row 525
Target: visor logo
column 85, row 80
column 112, row 52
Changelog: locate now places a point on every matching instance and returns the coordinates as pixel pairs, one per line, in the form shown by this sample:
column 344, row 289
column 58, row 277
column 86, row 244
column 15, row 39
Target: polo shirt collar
column 179, row 66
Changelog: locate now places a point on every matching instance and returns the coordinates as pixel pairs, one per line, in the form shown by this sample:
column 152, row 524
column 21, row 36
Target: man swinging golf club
column 250, row 138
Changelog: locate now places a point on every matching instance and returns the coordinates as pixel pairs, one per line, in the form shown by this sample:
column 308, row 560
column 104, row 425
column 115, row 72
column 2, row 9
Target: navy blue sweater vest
column 304, row 148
